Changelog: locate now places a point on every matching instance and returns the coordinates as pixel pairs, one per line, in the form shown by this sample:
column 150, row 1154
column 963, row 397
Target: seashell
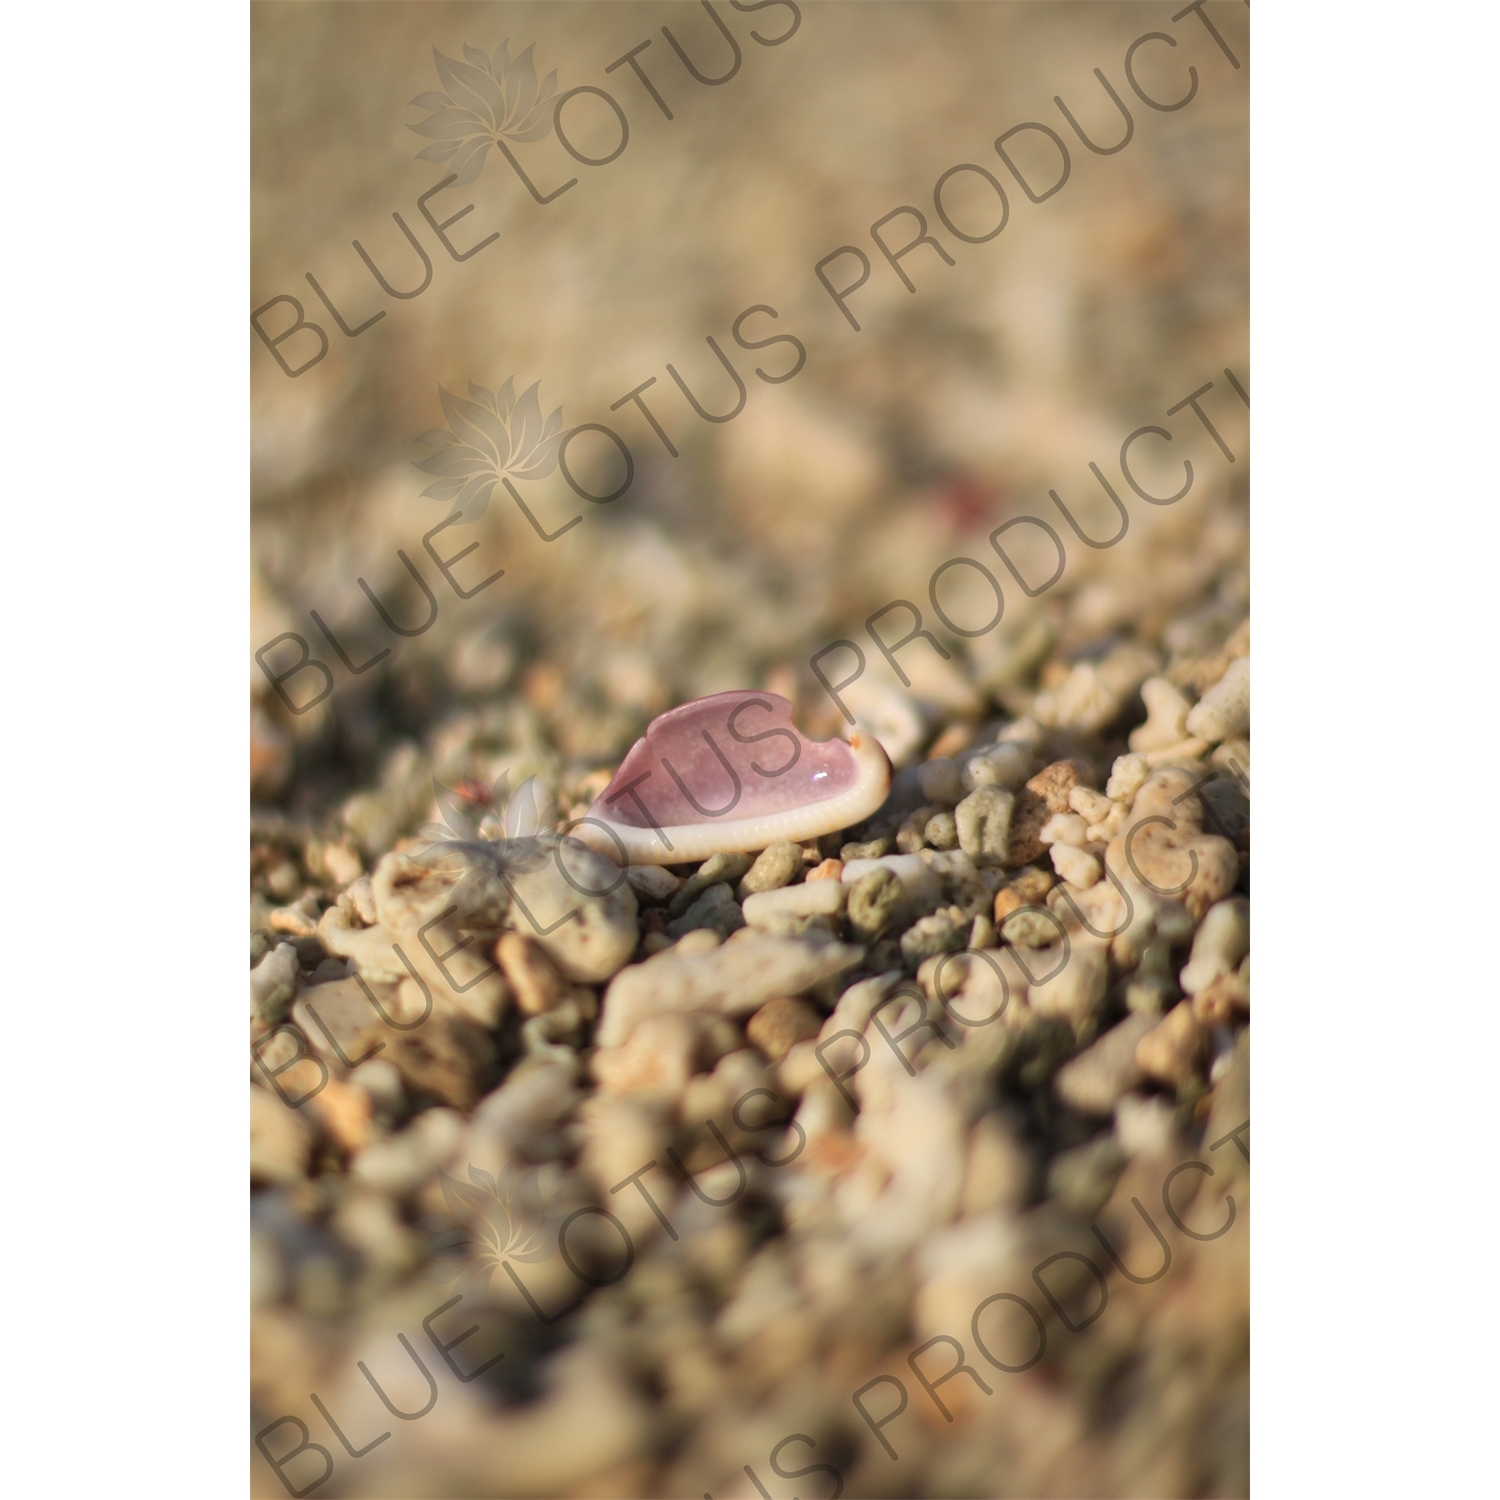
column 730, row 772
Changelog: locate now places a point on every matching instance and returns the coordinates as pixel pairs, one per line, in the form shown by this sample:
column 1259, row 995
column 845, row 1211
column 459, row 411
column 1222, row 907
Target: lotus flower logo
column 492, row 435
column 491, row 1220
column 487, row 832
column 487, row 98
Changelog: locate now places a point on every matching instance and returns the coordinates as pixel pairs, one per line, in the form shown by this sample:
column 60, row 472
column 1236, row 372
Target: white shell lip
column 683, row 843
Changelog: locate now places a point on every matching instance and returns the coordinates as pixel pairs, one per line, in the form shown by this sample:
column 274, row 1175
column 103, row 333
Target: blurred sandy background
column 893, row 449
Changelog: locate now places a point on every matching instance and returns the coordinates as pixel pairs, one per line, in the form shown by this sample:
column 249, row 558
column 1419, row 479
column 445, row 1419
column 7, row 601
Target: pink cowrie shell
column 731, row 772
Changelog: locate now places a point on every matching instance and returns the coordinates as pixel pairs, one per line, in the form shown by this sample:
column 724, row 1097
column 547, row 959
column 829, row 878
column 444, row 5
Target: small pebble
column 1054, row 784
column 1027, row 887
column 1222, row 940
column 913, row 832
column 941, row 782
column 361, row 897
column 982, row 822
column 773, row 868
column 1073, row 983
column 1233, row 758
column 1082, row 1179
column 1064, row 828
column 1145, row 1125
column 871, row 902
column 781, row 1023
column 872, row 849
column 280, row 1140
column 734, row 978
column 1164, row 846
column 1030, row 815
column 1077, row 866
column 1126, row 778
column 830, row 869
column 1030, row 927
column 717, row 870
column 715, row 908
column 533, row 977
column 1103, row 1073
column 1175, row 1048
column 604, row 934
column 1166, row 717
column 944, row 931
column 273, row 982
column 653, row 883
column 1091, row 806
column 1218, row 1003
column 299, row 919
column 922, row 889
column 953, row 740
column 813, row 898
column 1224, row 711
column 1003, row 765
column 942, row 831
column 1153, row 985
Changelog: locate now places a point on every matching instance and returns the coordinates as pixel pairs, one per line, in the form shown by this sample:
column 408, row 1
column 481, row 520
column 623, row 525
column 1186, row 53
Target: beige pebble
column 997, row 1170
column 1101, row 1075
column 774, row 867
column 953, row 740
column 1224, row 998
column 1224, row 712
column 1076, row 866
column 1185, row 753
column 1026, row 888
column 942, row 832
column 1164, row 846
column 1064, row 828
column 1073, row 981
column 1233, row 757
column 983, row 826
column 344, row 1112
column 781, row 1023
column 1002, row 765
column 718, row 869
column 280, row 1140
column 342, row 862
column 735, row 978
column 273, row 983
column 1092, row 694
column 654, row 884
column 405, row 1160
column 300, row 919
column 361, row 899
column 1126, row 777
column 1166, row 717
column 1175, row 1048
column 1054, row 784
column 1222, row 940
column 941, row 781
column 813, row 898
column 1103, row 831
column 658, row 1058
column 921, row 890
column 532, row 975
column 1091, row 806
